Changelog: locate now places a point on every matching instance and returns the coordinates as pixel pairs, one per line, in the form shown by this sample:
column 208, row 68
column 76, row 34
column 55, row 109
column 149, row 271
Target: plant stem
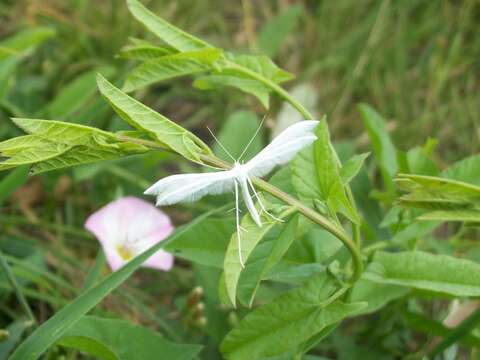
column 275, row 87
column 13, row 283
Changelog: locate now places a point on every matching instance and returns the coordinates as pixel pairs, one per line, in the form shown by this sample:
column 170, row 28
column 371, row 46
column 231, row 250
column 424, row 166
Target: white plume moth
column 191, row 187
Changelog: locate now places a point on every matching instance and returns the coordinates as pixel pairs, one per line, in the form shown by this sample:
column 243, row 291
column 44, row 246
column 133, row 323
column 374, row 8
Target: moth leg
column 262, row 207
column 243, row 183
column 237, row 214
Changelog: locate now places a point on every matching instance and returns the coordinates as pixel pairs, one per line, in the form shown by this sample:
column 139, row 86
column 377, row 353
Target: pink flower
column 128, row 226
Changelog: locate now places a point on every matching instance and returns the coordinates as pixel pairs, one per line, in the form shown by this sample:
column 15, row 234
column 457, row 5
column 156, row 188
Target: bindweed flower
column 128, row 226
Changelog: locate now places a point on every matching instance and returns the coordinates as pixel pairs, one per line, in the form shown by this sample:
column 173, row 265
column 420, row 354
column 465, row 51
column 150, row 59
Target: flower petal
column 161, row 260
column 134, row 224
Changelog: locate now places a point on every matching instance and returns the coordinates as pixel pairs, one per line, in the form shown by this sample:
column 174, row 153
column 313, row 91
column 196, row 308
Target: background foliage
column 398, row 80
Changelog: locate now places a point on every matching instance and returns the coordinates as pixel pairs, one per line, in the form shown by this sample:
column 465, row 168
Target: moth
column 191, row 187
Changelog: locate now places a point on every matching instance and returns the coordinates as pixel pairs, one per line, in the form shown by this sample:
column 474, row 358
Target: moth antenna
column 253, row 137
column 221, row 145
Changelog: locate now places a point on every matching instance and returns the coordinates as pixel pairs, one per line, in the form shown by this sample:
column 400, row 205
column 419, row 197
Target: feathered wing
column 190, row 187
column 283, row 148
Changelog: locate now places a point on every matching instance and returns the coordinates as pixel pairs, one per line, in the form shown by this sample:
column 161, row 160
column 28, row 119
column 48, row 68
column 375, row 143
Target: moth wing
column 283, row 148
column 190, row 187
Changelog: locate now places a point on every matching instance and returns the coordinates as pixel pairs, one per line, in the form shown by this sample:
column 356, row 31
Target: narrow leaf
column 437, row 193
column 24, row 40
column 469, row 216
column 328, row 175
column 172, row 35
column 158, row 126
column 382, row 145
column 259, row 64
column 377, row 295
column 249, row 240
column 466, row 170
column 171, row 66
column 54, row 144
column 268, row 253
column 144, row 50
column 249, row 86
column 425, row 271
column 276, row 30
column 351, row 167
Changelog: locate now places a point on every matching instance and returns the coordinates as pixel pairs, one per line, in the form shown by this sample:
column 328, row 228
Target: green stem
column 18, row 292
column 274, row 86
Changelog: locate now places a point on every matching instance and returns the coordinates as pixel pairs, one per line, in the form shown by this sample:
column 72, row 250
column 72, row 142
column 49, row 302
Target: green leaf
column 288, row 321
column 24, row 41
column 170, row 34
column 205, row 243
column 249, row 86
column 451, row 200
column 158, row 126
column 12, row 181
column 236, row 133
column 382, row 145
column 55, row 327
column 112, row 339
column 351, row 167
column 268, row 253
column 316, row 177
column 144, row 50
column 171, row 66
column 412, row 231
column 305, row 177
column 7, row 72
column 466, row 170
column 249, row 73
column 25, row 150
column 425, row 271
column 377, row 295
column 420, row 163
column 61, row 132
column 259, row 64
column 469, row 216
column 249, row 240
column 328, row 175
column 437, row 193
column 79, row 155
column 276, row 30
column 74, row 96
column 54, row 144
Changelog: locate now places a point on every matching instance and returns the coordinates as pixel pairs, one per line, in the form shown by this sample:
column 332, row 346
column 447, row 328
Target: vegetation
column 376, row 254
